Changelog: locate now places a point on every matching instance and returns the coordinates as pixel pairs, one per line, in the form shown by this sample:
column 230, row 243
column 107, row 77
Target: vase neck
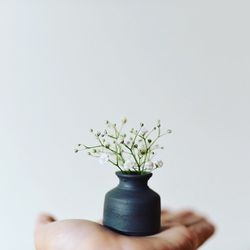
column 133, row 181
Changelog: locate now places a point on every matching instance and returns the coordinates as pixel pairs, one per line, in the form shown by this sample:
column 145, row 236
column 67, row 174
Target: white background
column 67, row 66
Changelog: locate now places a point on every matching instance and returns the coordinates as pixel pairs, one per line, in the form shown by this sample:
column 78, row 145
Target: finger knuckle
column 190, row 239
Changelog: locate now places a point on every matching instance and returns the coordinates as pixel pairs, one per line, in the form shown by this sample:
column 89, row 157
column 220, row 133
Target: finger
column 201, row 231
column 164, row 215
column 176, row 236
column 185, row 218
column 176, row 217
column 44, row 218
column 168, row 225
column 188, row 219
column 165, row 211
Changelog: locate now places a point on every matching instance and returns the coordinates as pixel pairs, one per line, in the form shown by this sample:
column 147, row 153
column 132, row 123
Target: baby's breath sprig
column 131, row 153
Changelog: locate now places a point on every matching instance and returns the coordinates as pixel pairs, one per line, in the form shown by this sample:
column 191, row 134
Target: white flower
column 103, row 158
column 149, row 166
column 128, row 165
column 159, row 164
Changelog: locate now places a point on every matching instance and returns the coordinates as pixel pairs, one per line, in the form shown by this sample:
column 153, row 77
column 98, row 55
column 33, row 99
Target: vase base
column 133, row 233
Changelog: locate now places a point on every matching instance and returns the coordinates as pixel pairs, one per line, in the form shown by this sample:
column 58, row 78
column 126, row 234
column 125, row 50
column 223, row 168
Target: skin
column 184, row 230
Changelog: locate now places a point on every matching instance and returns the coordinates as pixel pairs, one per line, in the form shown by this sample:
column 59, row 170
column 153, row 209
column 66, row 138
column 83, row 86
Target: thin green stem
column 135, row 137
column 132, row 153
column 147, row 150
column 108, row 148
column 116, row 132
column 117, row 161
column 120, row 130
column 149, row 133
column 115, row 165
column 111, row 136
column 90, row 147
column 120, row 153
column 153, row 142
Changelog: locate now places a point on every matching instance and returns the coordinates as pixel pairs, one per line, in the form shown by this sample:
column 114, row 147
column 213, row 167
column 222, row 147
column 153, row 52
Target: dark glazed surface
column 132, row 208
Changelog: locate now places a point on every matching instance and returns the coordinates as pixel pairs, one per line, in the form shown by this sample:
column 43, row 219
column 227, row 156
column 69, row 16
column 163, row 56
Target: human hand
column 184, row 230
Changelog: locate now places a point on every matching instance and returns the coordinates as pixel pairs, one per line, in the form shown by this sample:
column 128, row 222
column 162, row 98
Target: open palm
column 184, row 230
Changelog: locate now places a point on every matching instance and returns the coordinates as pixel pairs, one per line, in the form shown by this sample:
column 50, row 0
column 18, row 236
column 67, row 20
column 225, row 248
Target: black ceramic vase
column 132, row 208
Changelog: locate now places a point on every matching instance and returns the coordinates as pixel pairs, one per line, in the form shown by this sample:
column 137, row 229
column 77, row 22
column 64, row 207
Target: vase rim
column 134, row 176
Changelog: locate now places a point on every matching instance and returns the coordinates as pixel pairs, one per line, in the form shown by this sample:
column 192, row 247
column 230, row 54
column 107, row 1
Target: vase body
column 132, row 208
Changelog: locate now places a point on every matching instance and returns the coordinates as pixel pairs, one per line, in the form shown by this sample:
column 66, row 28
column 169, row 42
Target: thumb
column 44, row 218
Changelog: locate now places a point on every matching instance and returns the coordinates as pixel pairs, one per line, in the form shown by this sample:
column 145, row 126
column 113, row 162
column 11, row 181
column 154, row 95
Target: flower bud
column 128, row 142
column 124, row 120
column 159, row 164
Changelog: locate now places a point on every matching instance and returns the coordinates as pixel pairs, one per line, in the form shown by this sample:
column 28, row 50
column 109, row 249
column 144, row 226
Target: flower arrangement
column 131, row 153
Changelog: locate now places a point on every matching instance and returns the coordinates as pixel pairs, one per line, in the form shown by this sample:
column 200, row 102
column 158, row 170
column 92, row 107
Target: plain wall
column 67, row 66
